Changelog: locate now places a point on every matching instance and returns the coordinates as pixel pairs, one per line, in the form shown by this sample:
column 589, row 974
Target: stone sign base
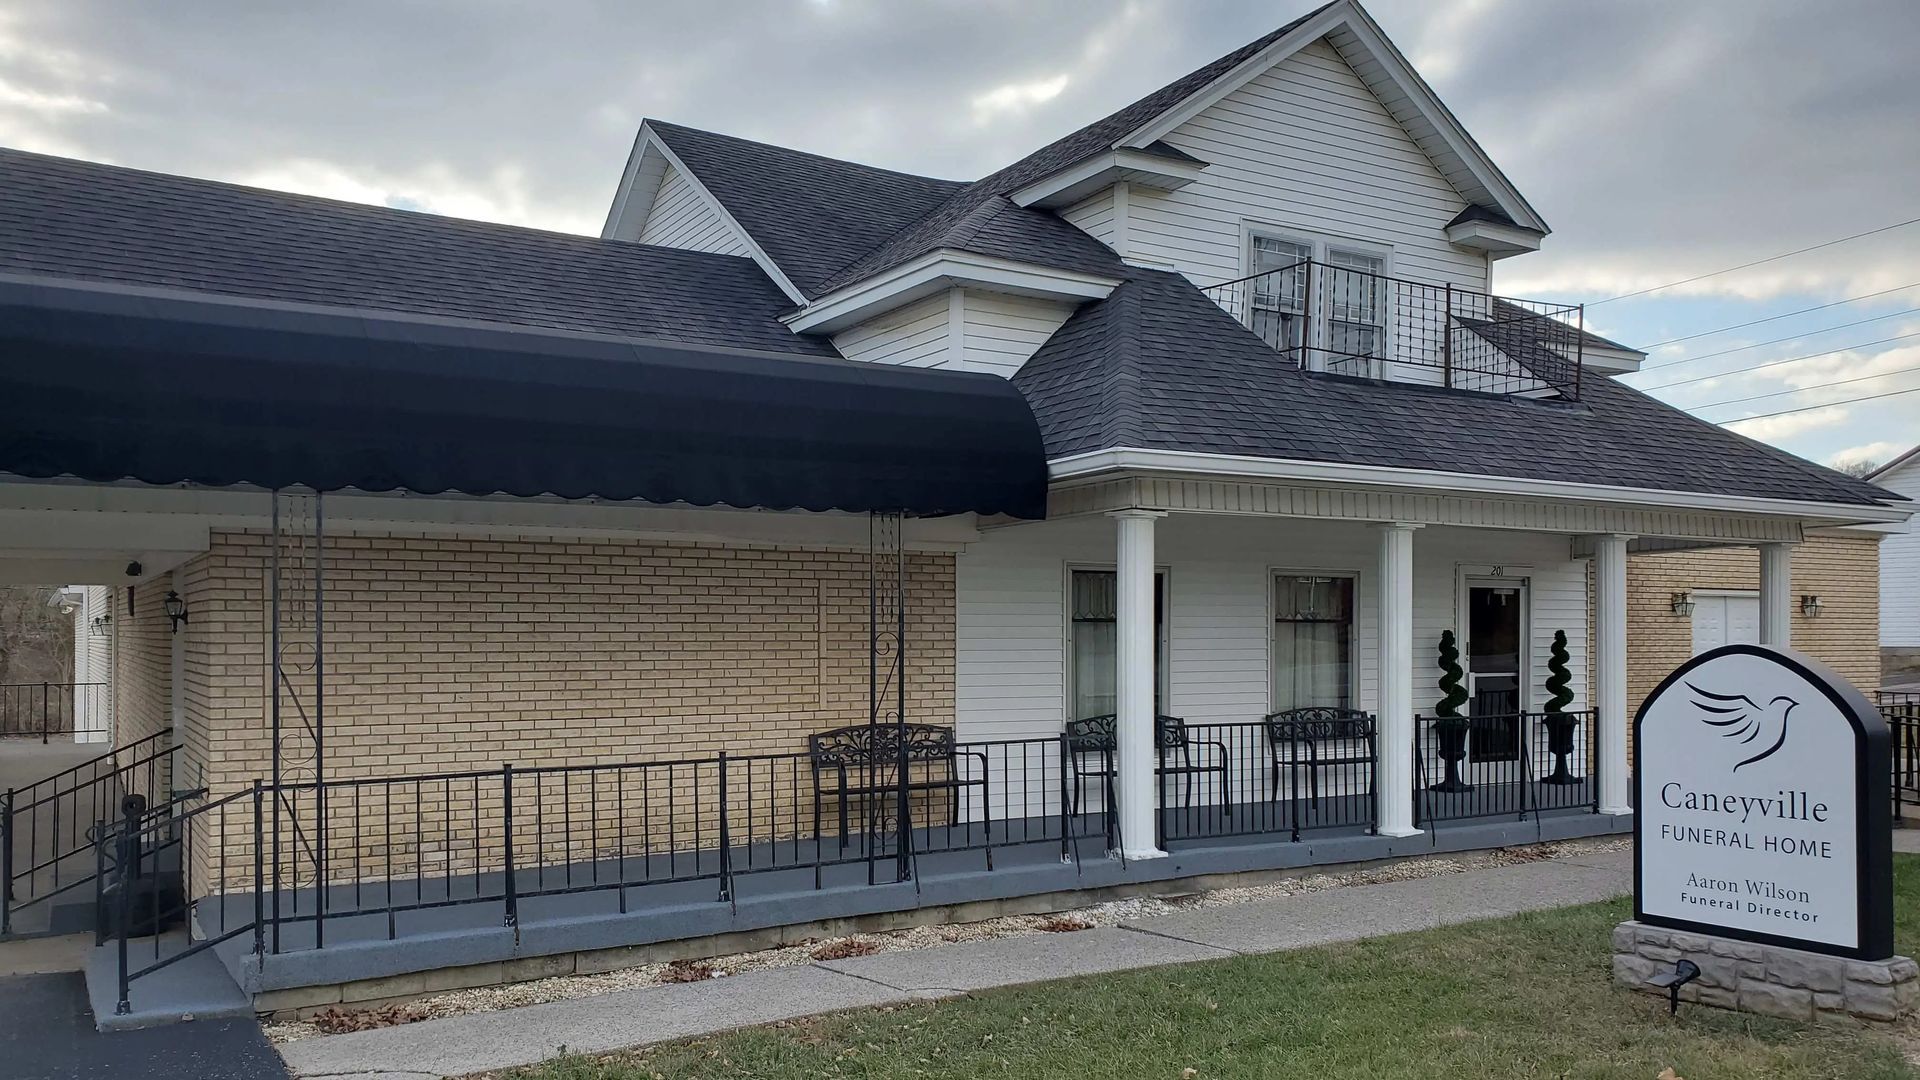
column 1765, row 979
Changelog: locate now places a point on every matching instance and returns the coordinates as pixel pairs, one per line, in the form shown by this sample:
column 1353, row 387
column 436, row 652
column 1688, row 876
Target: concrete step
column 198, row 987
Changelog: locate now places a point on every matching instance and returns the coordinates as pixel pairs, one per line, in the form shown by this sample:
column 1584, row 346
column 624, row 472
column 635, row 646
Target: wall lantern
column 175, row 608
column 101, row 624
column 1683, row 604
column 1810, row 605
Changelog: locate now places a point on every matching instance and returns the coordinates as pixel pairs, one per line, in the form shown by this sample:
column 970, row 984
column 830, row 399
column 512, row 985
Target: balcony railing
column 1345, row 321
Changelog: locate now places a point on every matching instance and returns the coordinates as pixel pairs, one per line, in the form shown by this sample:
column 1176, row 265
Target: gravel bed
column 1111, row 913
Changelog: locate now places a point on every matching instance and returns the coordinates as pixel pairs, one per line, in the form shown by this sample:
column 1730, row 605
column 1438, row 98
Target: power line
column 1804, row 389
column 1756, row 262
column 1775, row 341
column 1828, row 405
column 1785, row 315
column 1773, row 363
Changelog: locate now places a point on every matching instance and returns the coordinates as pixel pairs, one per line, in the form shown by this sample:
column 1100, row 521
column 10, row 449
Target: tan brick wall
column 143, row 662
column 464, row 654
column 1843, row 571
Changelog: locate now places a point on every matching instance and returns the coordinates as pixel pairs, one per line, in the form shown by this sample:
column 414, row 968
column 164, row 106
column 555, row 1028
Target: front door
column 1496, row 659
column 1724, row 619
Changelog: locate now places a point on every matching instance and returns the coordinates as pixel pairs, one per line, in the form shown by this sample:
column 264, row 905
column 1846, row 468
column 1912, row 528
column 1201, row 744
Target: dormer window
column 1349, row 302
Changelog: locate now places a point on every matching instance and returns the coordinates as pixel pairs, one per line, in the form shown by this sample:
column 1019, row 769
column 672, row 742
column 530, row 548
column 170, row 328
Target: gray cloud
column 1659, row 138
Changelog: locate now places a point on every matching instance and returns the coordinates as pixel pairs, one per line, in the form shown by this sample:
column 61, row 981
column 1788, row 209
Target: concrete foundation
column 1788, row 983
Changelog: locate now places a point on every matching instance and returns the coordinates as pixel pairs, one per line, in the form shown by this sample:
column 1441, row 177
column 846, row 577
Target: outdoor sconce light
column 1810, row 605
column 175, row 608
column 1683, row 604
column 101, row 623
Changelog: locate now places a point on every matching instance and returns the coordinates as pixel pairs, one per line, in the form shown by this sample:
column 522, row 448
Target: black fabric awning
column 105, row 384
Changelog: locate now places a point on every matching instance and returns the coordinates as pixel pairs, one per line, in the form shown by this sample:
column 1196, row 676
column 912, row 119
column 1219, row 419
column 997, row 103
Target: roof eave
column 938, row 271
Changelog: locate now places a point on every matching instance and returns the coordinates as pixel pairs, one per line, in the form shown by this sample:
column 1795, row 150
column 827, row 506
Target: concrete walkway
column 456, row 1046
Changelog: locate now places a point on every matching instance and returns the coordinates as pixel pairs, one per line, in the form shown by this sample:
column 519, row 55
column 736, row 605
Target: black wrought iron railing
column 1288, row 775
column 1901, row 709
column 43, row 710
column 1346, row 320
column 45, row 850
column 1506, row 765
column 296, row 864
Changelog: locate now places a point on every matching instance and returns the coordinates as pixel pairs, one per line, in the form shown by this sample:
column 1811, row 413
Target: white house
column 1900, row 577
column 1176, row 447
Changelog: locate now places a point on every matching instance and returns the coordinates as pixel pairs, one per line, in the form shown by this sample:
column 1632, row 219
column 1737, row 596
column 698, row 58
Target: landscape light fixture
column 1683, row 604
column 175, row 608
column 1684, row 972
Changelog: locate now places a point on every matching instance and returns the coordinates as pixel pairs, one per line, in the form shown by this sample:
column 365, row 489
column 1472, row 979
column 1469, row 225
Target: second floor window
column 1336, row 312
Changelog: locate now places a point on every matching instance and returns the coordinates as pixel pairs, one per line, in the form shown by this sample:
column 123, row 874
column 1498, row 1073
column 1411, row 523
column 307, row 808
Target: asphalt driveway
column 47, row 1033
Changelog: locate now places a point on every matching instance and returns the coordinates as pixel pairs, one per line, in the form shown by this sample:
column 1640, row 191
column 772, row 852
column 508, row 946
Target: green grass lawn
column 1522, row 997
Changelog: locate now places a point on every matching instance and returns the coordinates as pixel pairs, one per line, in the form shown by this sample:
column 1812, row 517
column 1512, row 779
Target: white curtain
column 1095, row 635
column 1312, row 642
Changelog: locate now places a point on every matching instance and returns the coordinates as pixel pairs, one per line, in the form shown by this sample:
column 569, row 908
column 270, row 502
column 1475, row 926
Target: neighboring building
column 1206, row 410
column 1683, row 603
column 1900, row 578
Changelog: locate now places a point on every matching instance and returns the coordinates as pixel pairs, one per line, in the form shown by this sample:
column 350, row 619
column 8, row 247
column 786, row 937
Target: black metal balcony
column 1347, row 321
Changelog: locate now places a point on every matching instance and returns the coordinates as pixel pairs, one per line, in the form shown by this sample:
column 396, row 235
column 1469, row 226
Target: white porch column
column 1133, row 683
column 1610, row 668
column 1776, row 594
column 1393, row 786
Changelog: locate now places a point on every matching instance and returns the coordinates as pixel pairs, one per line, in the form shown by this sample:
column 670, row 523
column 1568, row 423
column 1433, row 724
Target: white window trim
column 1355, row 683
column 1163, row 678
column 1318, row 245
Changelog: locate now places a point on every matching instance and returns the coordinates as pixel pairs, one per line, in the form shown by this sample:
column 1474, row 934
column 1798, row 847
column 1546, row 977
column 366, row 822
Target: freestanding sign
column 1761, row 809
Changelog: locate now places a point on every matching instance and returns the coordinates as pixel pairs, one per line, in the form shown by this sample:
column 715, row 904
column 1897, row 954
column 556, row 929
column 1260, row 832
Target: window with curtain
column 1094, row 631
column 1356, row 311
column 1279, row 299
column 1312, row 641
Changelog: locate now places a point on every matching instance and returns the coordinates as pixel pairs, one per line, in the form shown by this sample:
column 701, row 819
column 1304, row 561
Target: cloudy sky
column 1661, row 138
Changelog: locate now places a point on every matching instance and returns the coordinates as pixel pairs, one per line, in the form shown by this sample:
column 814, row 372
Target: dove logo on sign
column 1761, row 810
column 1740, row 717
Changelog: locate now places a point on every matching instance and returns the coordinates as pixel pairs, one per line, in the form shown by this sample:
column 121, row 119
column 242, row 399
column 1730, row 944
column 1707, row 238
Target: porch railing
column 45, row 851
column 1901, row 709
column 44, row 709
column 1284, row 777
column 1504, row 765
column 1346, row 320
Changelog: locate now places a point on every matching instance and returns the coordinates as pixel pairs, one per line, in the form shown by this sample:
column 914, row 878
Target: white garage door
column 1724, row 619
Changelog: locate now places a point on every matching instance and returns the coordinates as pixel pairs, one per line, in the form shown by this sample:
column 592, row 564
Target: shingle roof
column 1157, row 365
column 813, row 215
column 90, row 222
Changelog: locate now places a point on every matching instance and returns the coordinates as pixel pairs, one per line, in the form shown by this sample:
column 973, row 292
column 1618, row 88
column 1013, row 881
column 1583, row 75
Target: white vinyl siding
column 1095, row 217
column 1306, row 147
column 1011, row 677
column 915, row 336
column 966, row 329
column 1003, row 332
column 1900, row 568
column 681, row 217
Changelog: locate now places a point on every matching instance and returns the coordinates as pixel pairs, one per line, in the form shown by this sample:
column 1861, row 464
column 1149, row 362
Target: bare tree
column 36, row 637
column 1860, row 469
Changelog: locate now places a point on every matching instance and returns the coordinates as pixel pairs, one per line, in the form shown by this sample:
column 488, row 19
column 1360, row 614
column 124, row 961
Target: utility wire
column 1775, row 341
column 1828, row 405
column 1756, row 262
column 1785, row 315
column 1804, row 389
column 1772, row 363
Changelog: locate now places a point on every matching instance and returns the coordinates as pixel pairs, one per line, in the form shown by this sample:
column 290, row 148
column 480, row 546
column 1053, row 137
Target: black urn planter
column 1451, row 733
column 1560, row 729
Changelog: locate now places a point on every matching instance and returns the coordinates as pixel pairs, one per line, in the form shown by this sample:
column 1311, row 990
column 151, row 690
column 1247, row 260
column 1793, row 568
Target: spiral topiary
column 1454, row 695
column 1559, row 679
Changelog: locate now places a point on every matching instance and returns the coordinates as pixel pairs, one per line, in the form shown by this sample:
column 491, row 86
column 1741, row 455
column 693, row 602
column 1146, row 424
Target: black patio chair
column 1327, row 736
column 860, row 761
column 1097, row 736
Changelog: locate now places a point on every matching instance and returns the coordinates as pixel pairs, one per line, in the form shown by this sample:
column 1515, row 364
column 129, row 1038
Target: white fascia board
column 1085, row 178
column 625, row 199
column 1611, row 361
column 1355, row 19
column 1896, row 464
column 935, row 272
column 1239, row 466
column 650, row 142
column 1493, row 238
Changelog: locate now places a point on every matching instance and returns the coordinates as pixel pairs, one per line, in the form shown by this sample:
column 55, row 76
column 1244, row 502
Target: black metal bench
column 863, row 762
column 1327, row 736
column 1098, row 736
